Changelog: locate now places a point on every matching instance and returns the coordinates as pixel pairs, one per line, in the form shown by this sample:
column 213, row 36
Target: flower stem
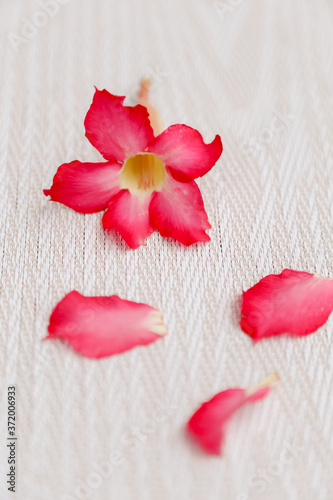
column 143, row 99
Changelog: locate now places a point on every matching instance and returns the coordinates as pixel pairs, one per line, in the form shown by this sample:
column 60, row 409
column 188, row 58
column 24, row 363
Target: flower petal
column 178, row 212
column 292, row 302
column 117, row 131
column 183, row 150
column 97, row 327
column 208, row 425
column 85, row 187
column 129, row 214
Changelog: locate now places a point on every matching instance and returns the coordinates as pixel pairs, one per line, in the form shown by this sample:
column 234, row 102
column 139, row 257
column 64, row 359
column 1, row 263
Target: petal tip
column 217, row 143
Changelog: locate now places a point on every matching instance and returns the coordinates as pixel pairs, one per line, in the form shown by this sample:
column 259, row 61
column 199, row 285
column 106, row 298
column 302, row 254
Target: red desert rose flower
column 208, row 425
column 97, row 327
column 147, row 182
column 292, row 302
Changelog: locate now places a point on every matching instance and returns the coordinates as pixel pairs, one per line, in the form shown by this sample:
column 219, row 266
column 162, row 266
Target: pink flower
column 147, row 182
column 101, row 326
column 208, row 425
column 292, row 302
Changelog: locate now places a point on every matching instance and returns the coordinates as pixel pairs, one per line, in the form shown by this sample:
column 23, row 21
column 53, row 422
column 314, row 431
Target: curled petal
column 183, row 150
column 178, row 212
column 292, row 302
column 208, row 425
column 129, row 214
column 97, row 327
column 117, row 131
column 85, row 187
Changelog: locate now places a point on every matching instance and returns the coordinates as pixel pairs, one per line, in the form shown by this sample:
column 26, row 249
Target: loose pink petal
column 178, row 212
column 117, row 131
column 208, row 425
column 97, row 327
column 183, row 150
column 85, row 187
column 292, row 302
column 129, row 214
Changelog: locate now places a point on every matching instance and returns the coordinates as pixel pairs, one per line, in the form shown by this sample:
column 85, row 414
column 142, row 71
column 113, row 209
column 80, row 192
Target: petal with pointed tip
column 97, row 327
column 115, row 130
column 208, row 425
column 183, row 150
column 85, row 187
column 178, row 212
column 129, row 214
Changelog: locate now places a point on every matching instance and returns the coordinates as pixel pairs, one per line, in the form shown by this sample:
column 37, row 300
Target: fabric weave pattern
column 259, row 74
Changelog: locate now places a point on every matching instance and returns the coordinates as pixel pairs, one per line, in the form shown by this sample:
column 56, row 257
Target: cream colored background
column 234, row 71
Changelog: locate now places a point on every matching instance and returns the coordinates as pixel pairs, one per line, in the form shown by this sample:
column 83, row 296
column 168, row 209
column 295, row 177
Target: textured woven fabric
column 257, row 72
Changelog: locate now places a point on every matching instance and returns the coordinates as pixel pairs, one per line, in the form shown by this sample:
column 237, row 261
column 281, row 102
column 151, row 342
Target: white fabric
column 257, row 72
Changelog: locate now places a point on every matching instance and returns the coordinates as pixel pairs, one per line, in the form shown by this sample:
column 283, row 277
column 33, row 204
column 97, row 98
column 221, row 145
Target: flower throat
column 143, row 174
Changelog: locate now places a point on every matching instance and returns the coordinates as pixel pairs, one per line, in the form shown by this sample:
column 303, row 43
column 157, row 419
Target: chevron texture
column 257, row 72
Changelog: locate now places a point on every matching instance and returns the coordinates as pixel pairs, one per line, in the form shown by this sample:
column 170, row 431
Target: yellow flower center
column 143, row 174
